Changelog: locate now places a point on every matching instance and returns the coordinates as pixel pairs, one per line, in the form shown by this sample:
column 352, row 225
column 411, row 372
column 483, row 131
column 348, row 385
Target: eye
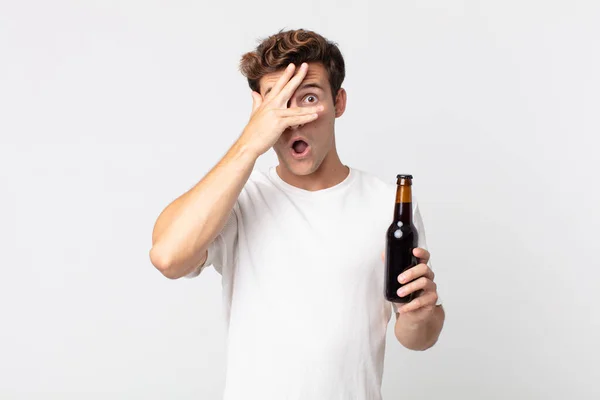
column 311, row 98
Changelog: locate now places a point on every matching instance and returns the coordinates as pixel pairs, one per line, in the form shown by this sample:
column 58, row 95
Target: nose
column 291, row 103
column 293, row 128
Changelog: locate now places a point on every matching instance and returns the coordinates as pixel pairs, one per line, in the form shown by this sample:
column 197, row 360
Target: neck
column 330, row 173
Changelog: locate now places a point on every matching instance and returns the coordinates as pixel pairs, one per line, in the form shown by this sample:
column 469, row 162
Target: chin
column 303, row 168
column 298, row 167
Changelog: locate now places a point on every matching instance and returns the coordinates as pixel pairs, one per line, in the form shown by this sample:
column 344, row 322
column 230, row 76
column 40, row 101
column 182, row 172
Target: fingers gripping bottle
column 401, row 238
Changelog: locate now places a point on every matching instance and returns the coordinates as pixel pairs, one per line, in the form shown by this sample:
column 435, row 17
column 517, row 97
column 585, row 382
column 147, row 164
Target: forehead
column 316, row 74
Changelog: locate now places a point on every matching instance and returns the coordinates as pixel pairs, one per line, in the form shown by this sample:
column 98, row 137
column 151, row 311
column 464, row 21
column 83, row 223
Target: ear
column 256, row 101
column 340, row 102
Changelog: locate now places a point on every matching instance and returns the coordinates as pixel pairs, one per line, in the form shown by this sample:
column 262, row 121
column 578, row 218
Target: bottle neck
column 403, row 209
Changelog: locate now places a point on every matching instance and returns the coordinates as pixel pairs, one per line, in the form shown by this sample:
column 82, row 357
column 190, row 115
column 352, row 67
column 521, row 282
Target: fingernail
column 402, row 278
column 401, row 292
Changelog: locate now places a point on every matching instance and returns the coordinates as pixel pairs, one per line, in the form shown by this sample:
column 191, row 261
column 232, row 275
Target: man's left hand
column 418, row 279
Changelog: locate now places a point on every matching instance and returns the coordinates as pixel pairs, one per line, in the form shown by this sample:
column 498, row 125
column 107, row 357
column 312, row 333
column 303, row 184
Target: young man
column 299, row 247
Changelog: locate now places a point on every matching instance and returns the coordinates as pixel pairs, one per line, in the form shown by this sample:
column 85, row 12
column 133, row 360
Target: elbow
column 425, row 337
column 419, row 345
column 163, row 262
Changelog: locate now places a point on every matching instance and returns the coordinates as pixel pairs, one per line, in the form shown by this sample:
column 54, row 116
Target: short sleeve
column 223, row 249
column 418, row 222
column 422, row 243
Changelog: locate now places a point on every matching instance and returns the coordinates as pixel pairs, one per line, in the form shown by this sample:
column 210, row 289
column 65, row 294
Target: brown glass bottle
column 401, row 238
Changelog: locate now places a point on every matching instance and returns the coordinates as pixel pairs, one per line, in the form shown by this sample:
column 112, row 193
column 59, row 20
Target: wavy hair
column 294, row 46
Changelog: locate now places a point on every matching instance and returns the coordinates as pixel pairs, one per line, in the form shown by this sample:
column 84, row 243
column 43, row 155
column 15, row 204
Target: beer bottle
column 401, row 238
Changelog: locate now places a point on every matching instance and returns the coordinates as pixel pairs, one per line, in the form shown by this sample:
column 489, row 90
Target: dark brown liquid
column 401, row 238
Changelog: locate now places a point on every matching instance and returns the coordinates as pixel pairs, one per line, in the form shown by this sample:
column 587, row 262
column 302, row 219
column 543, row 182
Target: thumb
column 256, row 101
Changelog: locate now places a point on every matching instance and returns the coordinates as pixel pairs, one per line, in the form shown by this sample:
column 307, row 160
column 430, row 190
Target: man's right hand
column 185, row 229
column 270, row 116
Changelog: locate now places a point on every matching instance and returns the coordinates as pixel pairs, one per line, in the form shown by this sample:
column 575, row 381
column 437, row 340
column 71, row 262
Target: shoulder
column 380, row 187
column 258, row 186
column 371, row 183
column 370, row 178
column 258, row 177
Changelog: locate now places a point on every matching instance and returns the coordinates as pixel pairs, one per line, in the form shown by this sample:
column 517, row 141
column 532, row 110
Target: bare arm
column 188, row 225
column 419, row 333
column 185, row 229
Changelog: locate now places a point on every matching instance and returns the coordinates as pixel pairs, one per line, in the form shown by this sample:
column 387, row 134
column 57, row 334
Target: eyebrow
column 306, row 85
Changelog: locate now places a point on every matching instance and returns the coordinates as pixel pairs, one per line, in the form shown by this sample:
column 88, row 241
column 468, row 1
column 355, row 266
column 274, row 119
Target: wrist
column 416, row 320
column 241, row 149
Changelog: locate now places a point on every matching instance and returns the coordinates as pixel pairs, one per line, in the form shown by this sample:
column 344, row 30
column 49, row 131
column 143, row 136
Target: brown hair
column 294, row 46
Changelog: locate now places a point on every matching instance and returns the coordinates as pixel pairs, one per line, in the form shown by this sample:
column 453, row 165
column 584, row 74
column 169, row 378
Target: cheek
column 325, row 117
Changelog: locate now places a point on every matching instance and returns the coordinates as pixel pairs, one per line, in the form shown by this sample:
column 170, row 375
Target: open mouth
column 299, row 147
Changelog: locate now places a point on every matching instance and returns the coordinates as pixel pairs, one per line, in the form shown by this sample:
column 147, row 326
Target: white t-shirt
column 302, row 281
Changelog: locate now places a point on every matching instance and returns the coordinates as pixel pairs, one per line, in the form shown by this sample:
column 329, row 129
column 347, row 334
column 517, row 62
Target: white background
column 111, row 109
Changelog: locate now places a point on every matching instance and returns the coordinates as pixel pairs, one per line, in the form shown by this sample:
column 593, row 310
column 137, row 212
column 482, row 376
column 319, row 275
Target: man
column 299, row 247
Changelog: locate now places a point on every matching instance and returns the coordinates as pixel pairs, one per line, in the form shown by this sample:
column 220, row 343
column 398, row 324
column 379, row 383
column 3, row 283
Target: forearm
column 185, row 229
column 422, row 334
